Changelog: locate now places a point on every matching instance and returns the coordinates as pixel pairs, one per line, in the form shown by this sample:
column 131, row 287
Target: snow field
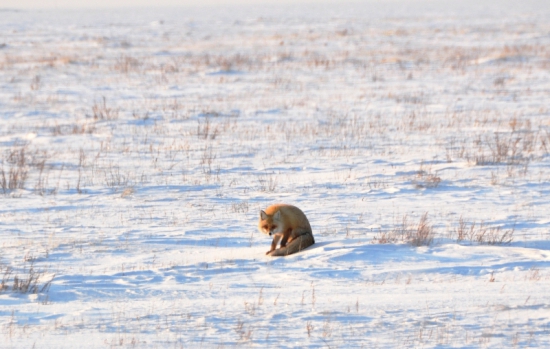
column 137, row 148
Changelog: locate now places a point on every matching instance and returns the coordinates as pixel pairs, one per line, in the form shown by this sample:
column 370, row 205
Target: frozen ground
column 137, row 147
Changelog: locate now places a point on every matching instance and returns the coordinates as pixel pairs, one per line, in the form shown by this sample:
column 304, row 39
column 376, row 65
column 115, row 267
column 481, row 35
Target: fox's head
column 270, row 224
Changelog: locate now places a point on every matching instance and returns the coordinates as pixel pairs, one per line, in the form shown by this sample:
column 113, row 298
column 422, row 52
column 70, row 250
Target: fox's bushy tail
column 301, row 242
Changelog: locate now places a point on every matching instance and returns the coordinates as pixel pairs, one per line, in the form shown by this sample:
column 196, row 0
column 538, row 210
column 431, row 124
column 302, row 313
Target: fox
column 288, row 224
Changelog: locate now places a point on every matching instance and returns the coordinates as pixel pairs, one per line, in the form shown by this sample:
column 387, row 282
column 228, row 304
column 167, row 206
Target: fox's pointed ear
column 263, row 215
column 277, row 215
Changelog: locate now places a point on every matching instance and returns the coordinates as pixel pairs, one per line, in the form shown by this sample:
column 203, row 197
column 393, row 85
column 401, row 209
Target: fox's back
column 291, row 216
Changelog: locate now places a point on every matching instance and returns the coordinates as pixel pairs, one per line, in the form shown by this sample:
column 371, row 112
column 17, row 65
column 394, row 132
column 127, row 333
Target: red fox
column 289, row 223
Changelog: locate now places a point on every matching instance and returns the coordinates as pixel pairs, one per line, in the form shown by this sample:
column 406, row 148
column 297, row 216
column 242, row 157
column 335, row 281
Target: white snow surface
column 138, row 146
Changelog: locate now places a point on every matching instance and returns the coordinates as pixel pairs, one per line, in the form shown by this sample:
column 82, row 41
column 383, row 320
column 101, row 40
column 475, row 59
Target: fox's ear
column 277, row 215
column 263, row 215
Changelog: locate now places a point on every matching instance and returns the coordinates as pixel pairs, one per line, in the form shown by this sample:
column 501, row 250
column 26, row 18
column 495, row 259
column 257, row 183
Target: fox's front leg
column 274, row 243
column 285, row 239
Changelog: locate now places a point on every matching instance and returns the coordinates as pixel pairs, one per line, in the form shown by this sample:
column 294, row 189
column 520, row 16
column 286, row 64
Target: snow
column 142, row 144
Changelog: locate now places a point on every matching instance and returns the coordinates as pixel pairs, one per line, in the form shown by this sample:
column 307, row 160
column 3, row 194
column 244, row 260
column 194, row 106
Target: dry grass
column 268, row 182
column 76, row 128
column 425, row 178
column 240, row 207
column 100, row 111
column 419, row 234
column 423, row 233
column 481, row 233
column 205, row 131
column 114, row 178
column 126, row 64
column 30, row 281
column 15, row 175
